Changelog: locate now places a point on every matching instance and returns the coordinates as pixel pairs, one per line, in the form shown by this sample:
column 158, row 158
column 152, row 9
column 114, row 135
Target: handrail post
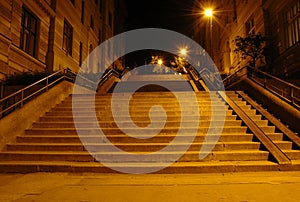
column 2, row 90
column 14, row 101
column 292, row 95
column 47, row 83
column 265, row 82
column 22, row 98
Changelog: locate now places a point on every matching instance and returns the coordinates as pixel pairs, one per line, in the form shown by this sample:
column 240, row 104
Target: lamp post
column 209, row 13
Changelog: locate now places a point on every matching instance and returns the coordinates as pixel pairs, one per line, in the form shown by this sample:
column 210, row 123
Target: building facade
column 48, row 35
column 24, row 35
column 278, row 21
column 282, row 26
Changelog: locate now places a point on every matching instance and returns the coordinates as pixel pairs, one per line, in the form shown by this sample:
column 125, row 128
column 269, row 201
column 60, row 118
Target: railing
column 235, row 76
column 80, row 79
column 20, row 97
column 1, row 88
column 193, row 72
column 107, row 75
column 279, row 87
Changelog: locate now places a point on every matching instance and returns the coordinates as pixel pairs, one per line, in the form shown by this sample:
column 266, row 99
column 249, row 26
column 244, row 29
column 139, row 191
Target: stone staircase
column 53, row 144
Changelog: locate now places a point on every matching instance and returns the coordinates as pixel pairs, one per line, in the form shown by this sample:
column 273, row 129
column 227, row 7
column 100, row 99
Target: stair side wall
column 282, row 110
column 15, row 123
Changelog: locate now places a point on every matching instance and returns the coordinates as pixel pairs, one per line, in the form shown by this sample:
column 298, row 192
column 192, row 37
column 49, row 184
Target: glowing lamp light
column 160, row 61
column 208, row 12
column 183, row 51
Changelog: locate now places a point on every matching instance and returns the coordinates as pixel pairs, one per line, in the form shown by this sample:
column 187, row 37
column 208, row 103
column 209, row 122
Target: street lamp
column 183, row 51
column 209, row 13
column 160, row 61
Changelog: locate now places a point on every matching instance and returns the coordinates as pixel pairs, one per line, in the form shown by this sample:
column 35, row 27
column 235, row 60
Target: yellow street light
column 183, row 51
column 209, row 13
column 160, row 61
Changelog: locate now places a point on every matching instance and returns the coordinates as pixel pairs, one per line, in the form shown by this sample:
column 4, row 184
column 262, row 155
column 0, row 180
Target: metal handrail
column 233, row 77
column 193, row 72
column 27, row 87
column 19, row 98
column 107, row 75
column 66, row 74
column 285, row 90
column 24, row 98
column 75, row 76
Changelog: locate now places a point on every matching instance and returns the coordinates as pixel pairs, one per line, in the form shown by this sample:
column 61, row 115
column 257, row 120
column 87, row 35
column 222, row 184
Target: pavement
column 86, row 187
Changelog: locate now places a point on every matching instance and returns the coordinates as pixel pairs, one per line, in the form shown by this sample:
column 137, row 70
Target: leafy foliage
column 159, row 68
column 250, row 46
column 179, row 64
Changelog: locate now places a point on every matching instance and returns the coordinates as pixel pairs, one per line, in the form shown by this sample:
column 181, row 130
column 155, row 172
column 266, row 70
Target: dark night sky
column 168, row 14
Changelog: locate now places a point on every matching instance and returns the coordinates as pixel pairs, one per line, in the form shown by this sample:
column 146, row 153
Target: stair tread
column 153, row 143
column 108, row 136
column 202, row 163
column 53, row 141
column 123, row 153
column 107, row 128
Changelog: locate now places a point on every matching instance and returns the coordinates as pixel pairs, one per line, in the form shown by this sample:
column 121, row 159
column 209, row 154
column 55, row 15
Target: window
column 82, row 11
column 80, row 53
column 28, row 38
column 92, row 22
column 250, row 28
column 67, row 38
column 293, row 24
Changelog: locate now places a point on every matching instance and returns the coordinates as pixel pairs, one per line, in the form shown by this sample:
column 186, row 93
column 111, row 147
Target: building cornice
column 45, row 7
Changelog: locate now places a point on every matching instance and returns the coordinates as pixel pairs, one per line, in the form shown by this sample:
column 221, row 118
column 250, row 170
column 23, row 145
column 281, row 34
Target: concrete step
column 292, row 154
column 144, row 102
column 130, row 147
column 111, row 124
column 241, row 103
column 145, row 94
column 82, row 156
column 142, row 119
column 236, row 99
column 142, row 108
column 177, row 167
column 275, row 136
column 137, row 105
column 268, row 129
column 250, row 112
column 52, row 144
column 240, row 155
column 110, row 131
column 255, row 117
column 241, row 137
column 262, row 122
column 145, row 99
column 284, row 145
column 169, row 113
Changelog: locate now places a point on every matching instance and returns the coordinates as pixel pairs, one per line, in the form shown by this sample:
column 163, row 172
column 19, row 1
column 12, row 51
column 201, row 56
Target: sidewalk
column 85, row 187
